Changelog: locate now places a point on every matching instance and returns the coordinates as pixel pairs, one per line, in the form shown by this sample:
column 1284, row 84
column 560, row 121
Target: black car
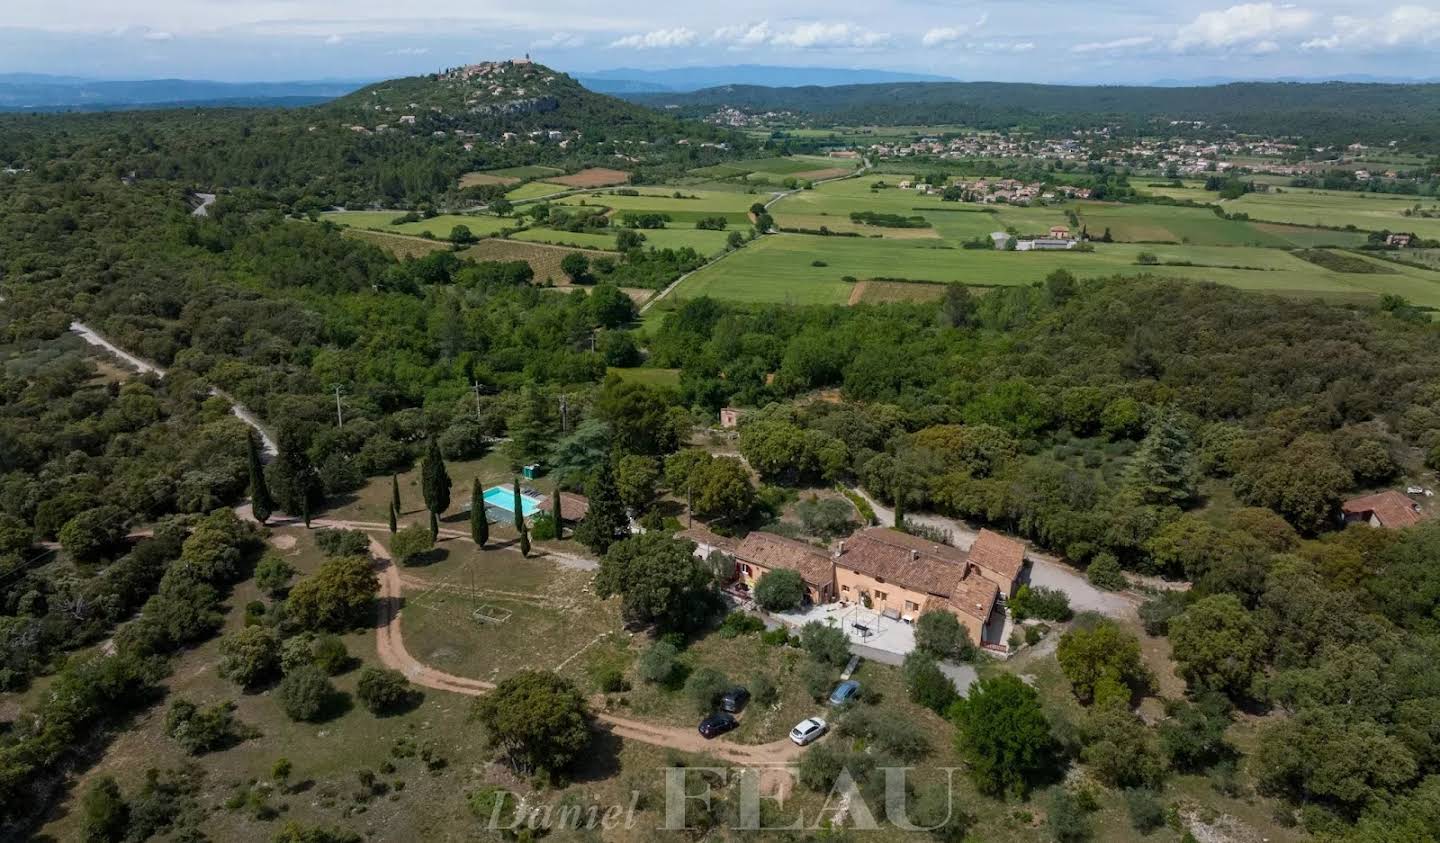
column 734, row 699
column 717, row 724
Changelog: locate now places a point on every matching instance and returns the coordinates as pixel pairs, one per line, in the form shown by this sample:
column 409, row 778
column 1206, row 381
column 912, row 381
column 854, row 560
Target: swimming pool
column 503, row 497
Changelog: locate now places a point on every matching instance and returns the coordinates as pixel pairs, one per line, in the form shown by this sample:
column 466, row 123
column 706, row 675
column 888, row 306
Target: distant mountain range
column 40, row 92
column 627, row 80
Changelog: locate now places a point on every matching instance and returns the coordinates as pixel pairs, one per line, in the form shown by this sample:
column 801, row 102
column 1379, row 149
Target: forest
column 1332, row 113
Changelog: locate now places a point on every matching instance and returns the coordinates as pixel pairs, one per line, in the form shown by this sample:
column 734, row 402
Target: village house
column 1060, row 232
column 1389, row 509
column 1400, row 241
column 730, row 416
column 761, row 552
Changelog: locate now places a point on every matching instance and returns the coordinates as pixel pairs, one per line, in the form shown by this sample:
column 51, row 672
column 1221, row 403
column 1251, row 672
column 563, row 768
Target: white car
column 808, row 731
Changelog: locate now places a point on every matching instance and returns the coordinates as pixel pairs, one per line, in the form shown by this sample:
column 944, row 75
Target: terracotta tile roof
column 573, row 507
column 908, row 561
column 1391, row 508
column 975, row 596
column 772, row 551
column 994, row 552
column 700, row 534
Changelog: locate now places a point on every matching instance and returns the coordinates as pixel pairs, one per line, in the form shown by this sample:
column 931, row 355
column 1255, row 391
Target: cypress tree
column 392, row 519
column 605, row 522
column 434, row 527
column 479, row 520
column 292, row 479
column 899, row 509
column 434, row 482
column 555, row 512
column 519, row 509
column 261, row 504
column 524, row 540
column 395, row 494
column 305, row 511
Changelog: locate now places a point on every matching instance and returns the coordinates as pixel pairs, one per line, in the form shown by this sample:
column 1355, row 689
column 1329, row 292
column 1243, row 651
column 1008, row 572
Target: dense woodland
column 1333, row 113
column 1186, row 431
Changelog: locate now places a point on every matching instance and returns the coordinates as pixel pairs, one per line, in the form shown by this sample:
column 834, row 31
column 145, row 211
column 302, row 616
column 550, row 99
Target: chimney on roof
column 840, row 550
column 914, row 555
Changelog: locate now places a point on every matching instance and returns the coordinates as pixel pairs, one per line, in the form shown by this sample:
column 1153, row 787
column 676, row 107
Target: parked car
column 845, row 692
column 734, row 699
column 808, row 730
column 717, row 724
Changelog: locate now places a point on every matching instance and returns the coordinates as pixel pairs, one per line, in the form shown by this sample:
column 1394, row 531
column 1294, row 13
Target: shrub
column 1067, row 818
column 818, row 680
column 543, row 527
column 329, row 654
column 1157, row 612
column 1104, row 572
column 825, row 644
column 1047, row 604
column 610, row 679
column 704, row 687
column 939, row 634
column 249, row 656
column 342, row 542
column 659, row 662
column 273, row 574
column 777, row 637
column 384, row 691
column 105, row 816
column 763, row 691
column 740, row 623
column 200, row 730
column 926, row 684
column 1146, row 812
column 411, row 542
column 306, row 693
column 780, row 590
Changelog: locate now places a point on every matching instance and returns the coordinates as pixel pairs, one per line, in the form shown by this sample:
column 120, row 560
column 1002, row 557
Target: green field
column 535, row 190
column 831, row 204
column 703, row 241
column 438, row 226
column 1365, row 211
column 780, row 268
column 529, row 171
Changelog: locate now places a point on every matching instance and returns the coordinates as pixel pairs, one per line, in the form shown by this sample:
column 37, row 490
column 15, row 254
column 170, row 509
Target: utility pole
column 564, row 413
column 690, row 501
column 475, row 385
column 339, row 414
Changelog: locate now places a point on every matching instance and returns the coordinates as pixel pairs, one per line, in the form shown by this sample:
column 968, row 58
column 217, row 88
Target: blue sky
column 1008, row 40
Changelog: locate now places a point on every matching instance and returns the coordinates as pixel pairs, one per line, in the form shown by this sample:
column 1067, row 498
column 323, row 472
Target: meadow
column 1366, row 211
column 671, row 237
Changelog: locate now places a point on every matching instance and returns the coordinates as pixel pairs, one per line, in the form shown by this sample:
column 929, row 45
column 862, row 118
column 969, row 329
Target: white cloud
column 332, row 39
column 806, row 36
column 410, row 51
column 1402, row 26
column 658, row 39
column 1246, row 27
column 1117, row 44
column 1000, row 46
column 562, row 40
column 154, row 35
column 942, row 36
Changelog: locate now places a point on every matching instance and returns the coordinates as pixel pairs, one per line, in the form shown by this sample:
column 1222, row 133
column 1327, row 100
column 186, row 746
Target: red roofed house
column 573, row 507
column 907, row 575
column 760, row 553
column 1388, row 509
column 999, row 560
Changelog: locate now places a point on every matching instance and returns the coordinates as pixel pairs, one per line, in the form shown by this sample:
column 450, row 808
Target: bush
column 200, row 730
column 780, row 590
column 926, row 684
column 818, row 679
column 329, row 654
column 1104, row 572
column 1157, row 612
column 763, row 691
column 704, row 687
column 740, row 623
column 1067, row 818
column 543, row 527
column 411, row 542
column 610, row 679
column 1146, row 812
column 249, row 656
column 334, row 543
column 939, row 634
column 306, row 693
column 1047, row 604
column 105, row 816
column 273, row 574
column 890, row 735
column 825, row 644
column 659, row 662
column 384, row 691
column 777, row 637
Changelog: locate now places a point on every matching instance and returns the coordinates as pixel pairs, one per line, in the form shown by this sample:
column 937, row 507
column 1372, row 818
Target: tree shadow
column 429, row 557
column 387, row 608
column 601, row 760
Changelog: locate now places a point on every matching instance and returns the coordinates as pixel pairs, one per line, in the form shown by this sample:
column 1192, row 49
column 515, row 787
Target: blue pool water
column 503, row 497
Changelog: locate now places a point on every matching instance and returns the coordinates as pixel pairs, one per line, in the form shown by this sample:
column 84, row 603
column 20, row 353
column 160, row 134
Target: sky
column 1005, row 40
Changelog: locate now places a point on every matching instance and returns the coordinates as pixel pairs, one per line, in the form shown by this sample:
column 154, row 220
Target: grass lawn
column 695, row 204
column 438, row 226
column 535, row 190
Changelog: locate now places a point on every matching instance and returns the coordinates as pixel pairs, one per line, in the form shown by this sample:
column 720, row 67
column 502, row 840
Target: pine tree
column 479, row 521
column 434, row 482
column 555, row 512
column 261, row 504
column 605, row 522
column 392, row 520
column 1163, row 470
column 434, row 527
column 395, row 494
